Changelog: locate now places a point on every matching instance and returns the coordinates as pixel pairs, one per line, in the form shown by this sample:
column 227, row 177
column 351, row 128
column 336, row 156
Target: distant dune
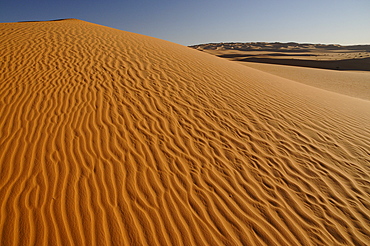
column 114, row 138
column 342, row 69
column 327, row 56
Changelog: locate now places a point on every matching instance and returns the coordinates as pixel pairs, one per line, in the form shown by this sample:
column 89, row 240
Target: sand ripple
column 113, row 138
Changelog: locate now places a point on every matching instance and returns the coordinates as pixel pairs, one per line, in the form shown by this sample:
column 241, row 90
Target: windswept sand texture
column 113, row 138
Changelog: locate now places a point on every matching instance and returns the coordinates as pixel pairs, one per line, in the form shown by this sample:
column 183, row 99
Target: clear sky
column 203, row 21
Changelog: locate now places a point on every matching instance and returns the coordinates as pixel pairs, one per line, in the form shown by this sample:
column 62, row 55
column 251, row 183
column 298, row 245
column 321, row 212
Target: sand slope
column 113, row 138
column 350, row 83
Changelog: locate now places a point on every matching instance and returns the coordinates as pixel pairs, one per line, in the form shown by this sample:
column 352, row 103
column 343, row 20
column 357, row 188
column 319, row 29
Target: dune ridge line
column 114, row 138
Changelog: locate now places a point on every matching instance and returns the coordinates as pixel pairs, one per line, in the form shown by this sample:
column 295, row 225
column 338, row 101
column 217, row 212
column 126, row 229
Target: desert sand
column 114, row 138
column 336, row 68
column 327, row 56
column 350, row 83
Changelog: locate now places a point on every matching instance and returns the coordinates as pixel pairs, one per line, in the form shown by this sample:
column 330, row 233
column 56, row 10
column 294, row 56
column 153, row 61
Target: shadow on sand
column 270, row 54
column 349, row 64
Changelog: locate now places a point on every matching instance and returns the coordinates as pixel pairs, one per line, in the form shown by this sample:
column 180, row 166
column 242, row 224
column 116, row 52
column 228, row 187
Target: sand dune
column 300, row 62
column 113, row 138
column 334, row 57
column 350, row 83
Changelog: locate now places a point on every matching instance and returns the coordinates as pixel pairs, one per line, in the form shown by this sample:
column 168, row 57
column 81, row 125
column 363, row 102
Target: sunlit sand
column 114, row 138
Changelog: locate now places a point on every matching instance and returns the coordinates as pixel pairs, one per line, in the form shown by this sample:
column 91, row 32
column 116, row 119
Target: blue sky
column 203, row 21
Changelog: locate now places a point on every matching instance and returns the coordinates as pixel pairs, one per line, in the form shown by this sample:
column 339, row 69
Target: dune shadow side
column 348, row 64
column 251, row 55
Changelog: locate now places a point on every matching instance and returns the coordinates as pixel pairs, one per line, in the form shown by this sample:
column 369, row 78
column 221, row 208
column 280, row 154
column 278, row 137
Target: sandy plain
column 341, row 69
column 114, row 138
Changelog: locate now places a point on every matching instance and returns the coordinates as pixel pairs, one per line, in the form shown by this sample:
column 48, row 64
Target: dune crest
column 114, row 138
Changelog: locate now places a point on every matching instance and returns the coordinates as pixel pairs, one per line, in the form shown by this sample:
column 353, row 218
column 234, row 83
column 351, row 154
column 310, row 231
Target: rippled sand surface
column 114, row 138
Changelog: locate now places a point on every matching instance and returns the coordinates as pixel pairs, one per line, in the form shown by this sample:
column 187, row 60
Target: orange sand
column 355, row 82
column 350, row 83
column 114, row 138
